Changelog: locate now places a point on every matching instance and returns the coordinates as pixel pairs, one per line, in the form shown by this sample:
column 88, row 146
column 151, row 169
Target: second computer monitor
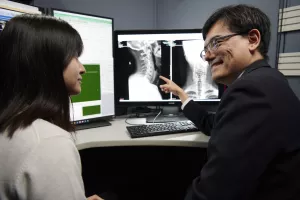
column 96, row 100
column 141, row 56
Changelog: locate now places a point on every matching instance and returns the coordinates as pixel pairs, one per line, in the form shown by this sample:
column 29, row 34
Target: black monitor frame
column 221, row 87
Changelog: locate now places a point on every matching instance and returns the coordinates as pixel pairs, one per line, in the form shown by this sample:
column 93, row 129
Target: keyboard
column 139, row 131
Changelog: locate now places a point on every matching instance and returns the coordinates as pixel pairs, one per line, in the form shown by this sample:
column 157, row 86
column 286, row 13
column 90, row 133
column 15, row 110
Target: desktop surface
column 117, row 135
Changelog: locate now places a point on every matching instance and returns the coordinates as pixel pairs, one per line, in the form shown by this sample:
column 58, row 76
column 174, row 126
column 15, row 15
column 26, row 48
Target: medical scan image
column 191, row 72
column 144, row 61
column 145, row 68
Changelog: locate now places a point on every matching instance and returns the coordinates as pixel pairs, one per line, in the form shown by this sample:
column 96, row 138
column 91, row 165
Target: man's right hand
column 170, row 86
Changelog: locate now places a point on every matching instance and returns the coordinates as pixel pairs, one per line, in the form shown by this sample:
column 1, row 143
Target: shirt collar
column 241, row 74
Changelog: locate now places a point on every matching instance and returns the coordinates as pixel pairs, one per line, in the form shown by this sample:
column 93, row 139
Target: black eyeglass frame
column 215, row 43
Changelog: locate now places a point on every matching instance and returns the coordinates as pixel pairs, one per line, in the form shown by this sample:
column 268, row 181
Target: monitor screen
column 6, row 15
column 96, row 99
column 141, row 56
column 11, row 10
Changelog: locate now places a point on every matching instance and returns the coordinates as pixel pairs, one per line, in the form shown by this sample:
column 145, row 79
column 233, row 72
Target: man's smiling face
column 229, row 54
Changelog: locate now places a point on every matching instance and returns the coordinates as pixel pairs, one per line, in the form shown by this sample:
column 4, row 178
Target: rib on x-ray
column 143, row 83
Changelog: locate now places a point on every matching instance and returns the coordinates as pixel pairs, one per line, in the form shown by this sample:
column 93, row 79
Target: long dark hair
column 34, row 52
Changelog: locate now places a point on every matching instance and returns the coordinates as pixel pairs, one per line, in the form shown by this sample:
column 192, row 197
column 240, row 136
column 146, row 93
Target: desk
column 140, row 168
column 117, row 135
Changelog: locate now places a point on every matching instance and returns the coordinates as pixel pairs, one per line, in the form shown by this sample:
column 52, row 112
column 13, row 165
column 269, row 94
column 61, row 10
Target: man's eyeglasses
column 214, row 44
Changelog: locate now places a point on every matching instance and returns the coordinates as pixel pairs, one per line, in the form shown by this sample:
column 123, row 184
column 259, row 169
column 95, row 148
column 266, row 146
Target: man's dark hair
column 34, row 52
column 242, row 19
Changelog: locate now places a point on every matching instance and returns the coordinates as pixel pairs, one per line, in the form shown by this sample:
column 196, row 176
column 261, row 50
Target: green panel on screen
column 91, row 110
column 90, row 87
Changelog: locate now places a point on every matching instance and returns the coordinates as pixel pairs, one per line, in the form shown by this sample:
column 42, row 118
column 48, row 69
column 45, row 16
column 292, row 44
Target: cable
column 142, row 115
column 156, row 116
column 130, row 123
column 134, row 115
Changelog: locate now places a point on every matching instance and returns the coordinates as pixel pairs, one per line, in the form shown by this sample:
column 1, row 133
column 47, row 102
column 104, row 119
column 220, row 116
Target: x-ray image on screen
column 142, row 56
column 190, row 71
column 144, row 64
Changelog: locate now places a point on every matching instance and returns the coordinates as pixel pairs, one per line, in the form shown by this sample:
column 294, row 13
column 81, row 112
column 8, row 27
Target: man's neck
column 254, row 58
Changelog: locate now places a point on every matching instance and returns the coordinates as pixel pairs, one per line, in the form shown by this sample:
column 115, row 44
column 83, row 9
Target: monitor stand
column 169, row 114
column 95, row 124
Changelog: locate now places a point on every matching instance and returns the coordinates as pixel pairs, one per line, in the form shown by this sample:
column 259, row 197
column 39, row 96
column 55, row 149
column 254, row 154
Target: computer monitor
column 9, row 10
column 142, row 55
column 95, row 104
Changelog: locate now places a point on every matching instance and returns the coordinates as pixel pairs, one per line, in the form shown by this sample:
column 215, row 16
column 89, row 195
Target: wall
column 128, row 14
column 292, row 44
column 164, row 14
column 177, row 14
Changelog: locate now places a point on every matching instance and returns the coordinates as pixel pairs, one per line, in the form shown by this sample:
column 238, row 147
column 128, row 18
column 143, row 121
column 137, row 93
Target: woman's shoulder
column 45, row 129
column 37, row 134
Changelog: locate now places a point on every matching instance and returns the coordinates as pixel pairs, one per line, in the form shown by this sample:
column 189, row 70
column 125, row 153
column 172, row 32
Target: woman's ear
column 254, row 39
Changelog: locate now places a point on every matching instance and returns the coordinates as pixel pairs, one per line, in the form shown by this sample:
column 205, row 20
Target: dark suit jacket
column 254, row 149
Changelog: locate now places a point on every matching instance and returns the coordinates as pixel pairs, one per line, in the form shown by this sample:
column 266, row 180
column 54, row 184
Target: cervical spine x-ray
column 178, row 60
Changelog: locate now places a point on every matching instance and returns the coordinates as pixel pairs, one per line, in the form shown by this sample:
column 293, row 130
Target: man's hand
column 94, row 197
column 170, row 86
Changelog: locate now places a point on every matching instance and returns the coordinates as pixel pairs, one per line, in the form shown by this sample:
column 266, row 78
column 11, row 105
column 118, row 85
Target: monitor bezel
column 92, row 119
column 157, row 103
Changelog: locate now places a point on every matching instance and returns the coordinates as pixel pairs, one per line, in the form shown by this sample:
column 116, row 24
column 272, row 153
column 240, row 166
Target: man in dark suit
column 254, row 149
